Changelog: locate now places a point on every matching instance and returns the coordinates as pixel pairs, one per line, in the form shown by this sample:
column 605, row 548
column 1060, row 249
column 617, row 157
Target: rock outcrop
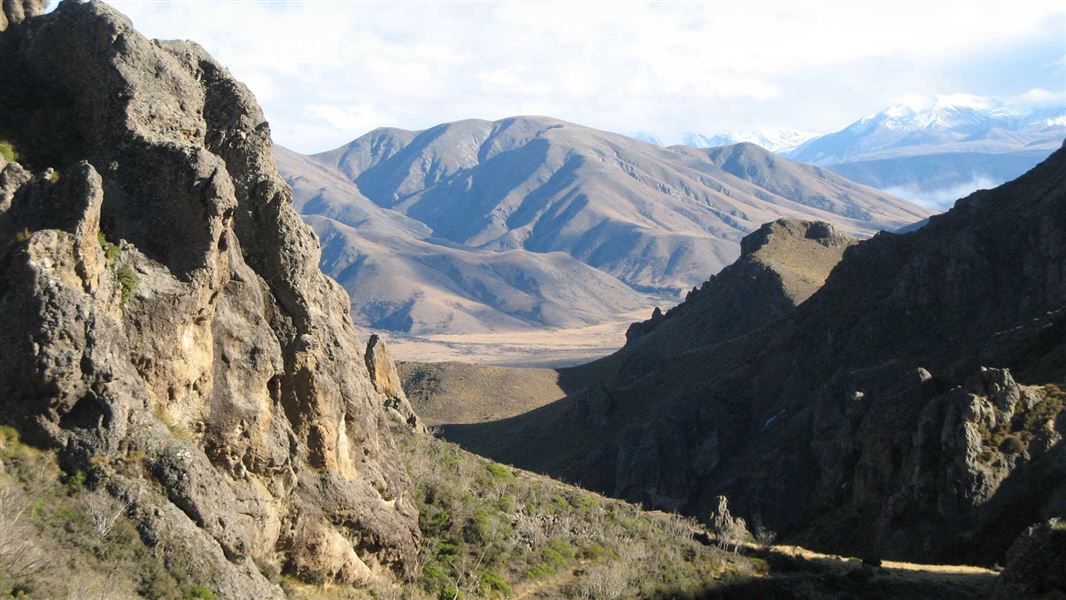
column 166, row 324
column 910, row 408
column 13, row 12
column 1036, row 563
column 386, row 380
column 781, row 264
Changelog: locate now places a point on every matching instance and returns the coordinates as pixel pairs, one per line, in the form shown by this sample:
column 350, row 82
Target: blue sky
column 327, row 72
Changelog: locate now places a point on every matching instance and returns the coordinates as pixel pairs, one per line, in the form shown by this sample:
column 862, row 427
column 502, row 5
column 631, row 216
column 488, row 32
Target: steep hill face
column 166, row 324
column 657, row 219
column 910, row 407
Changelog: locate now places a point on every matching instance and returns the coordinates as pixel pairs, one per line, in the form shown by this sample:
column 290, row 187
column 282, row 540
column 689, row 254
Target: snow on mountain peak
column 773, row 139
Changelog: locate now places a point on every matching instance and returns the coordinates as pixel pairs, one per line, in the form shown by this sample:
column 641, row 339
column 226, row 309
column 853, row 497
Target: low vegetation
column 492, row 532
column 60, row 538
column 1025, row 426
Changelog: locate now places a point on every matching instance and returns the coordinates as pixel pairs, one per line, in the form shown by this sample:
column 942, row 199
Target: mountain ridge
column 657, row 220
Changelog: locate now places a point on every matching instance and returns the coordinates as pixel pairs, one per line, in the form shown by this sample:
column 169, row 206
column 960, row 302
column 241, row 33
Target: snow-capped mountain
column 774, row 140
column 942, row 123
column 935, row 150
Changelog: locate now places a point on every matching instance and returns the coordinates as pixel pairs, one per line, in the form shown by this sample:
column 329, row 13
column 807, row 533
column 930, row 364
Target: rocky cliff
column 166, row 324
column 910, row 408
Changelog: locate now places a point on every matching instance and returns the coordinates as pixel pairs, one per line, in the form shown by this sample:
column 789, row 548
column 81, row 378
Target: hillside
column 449, row 393
column 400, row 279
column 909, row 408
column 498, row 222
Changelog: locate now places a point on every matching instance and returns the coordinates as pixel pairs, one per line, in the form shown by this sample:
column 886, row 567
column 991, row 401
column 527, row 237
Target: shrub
column 492, row 582
column 127, row 281
column 7, row 150
column 499, row 471
column 1012, row 444
column 22, row 235
column 198, row 593
column 111, row 251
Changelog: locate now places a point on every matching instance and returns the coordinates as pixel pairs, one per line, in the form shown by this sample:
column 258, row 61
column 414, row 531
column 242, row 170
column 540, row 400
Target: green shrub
column 199, row 593
column 492, row 582
column 499, row 471
column 76, row 482
column 449, row 592
column 7, row 150
column 111, row 251
column 127, row 281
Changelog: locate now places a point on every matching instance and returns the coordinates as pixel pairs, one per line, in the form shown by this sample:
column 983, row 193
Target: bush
column 199, row 593
column 1012, row 444
column 127, row 281
column 499, row 471
column 111, row 251
column 7, row 150
column 492, row 582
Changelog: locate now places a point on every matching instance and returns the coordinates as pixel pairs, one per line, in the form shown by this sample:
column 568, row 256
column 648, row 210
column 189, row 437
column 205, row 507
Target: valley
column 515, row 358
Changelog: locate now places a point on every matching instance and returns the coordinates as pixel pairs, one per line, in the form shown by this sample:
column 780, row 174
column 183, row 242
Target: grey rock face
column 16, row 11
column 1036, row 563
column 163, row 300
column 386, row 380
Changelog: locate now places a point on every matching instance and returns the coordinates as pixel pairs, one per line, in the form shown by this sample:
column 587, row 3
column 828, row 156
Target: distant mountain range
column 532, row 222
column 930, row 150
column 774, row 140
column 939, row 149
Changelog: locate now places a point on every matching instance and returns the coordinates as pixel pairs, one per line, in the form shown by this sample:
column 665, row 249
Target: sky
column 327, row 72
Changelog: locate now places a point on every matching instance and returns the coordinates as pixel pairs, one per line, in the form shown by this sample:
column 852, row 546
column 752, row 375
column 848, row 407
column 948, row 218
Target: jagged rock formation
column 166, row 324
column 13, row 12
column 386, row 380
column 862, row 421
column 1036, row 563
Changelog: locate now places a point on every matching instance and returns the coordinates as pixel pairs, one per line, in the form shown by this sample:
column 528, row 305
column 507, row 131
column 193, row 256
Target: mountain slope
column 864, row 420
column 937, row 149
column 658, row 219
column 401, row 279
column 532, row 222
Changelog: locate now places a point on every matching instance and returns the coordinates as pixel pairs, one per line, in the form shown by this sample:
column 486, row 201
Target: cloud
column 945, row 197
column 326, row 72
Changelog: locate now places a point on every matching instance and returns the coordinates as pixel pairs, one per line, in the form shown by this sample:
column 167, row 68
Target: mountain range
column 934, row 150
column 532, row 221
column 777, row 140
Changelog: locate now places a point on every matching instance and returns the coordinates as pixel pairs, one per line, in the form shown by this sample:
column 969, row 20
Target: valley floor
column 541, row 348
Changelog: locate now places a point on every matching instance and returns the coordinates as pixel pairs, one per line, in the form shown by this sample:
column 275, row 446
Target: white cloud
column 328, row 71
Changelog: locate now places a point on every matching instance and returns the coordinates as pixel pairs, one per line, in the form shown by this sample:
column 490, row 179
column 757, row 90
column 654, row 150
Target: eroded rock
column 162, row 299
